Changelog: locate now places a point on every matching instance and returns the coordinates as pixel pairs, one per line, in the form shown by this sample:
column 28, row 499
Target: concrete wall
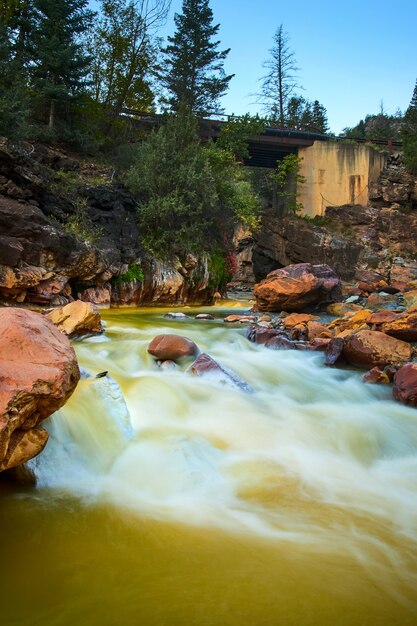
column 337, row 174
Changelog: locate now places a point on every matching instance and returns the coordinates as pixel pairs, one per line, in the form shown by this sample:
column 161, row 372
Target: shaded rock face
column 368, row 349
column 172, row 347
column 38, row 373
column 405, row 384
column 290, row 240
column 177, row 282
column 395, row 186
column 298, row 286
column 77, row 319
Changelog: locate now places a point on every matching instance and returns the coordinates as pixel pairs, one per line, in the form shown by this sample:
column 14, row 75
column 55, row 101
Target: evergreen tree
column 14, row 101
column 409, row 134
column 60, row 63
column 302, row 114
column 192, row 71
column 319, row 117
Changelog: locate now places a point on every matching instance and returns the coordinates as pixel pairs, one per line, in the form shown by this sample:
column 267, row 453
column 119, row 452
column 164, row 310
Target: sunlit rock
column 38, row 373
column 77, row 319
column 369, row 348
column 172, row 347
column 296, row 287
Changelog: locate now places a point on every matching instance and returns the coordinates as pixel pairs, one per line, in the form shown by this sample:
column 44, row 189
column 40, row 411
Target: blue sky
column 352, row 55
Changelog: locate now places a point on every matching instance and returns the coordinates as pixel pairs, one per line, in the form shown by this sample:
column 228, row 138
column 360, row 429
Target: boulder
column 410, row 299
column 370, row 281
column 77, row 319
column 261, row 335
column 381, row 301
column 405, row 384
column 298, row 318
column 319, row 343
column 350, row 323
column 318, row 330
column 242, row 319
column 38, row 373
column 206, row 365
column 334, row 352
column 376, row 376
column 341, row 308
column 402, row 327
column 171, row 347
column 371, row 348
column 295, row 287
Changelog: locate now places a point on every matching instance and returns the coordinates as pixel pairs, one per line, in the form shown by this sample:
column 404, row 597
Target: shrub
column 189, row 195
column 80, row 226
column 134, row 273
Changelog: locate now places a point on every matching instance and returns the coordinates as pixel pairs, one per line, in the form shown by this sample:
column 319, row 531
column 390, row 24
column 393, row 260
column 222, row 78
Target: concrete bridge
column 337, row 171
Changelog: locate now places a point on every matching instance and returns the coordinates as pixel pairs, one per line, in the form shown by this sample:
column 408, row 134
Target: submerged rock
column 205, row 364
column 176, row 316
column 38, row 373
column 77, row 319
column 172, row 347
column 296, row 287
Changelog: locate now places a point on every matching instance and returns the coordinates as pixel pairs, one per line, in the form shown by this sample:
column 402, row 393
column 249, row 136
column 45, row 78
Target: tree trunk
column 51, row 123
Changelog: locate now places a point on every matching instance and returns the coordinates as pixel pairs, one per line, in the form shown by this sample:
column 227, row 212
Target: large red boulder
column 295, row 287
column 38, row 373
column 171, row 347
column 405, row 384
column 371, row 348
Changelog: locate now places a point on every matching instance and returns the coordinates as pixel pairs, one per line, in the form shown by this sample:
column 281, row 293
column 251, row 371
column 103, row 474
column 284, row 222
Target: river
column 192, row 503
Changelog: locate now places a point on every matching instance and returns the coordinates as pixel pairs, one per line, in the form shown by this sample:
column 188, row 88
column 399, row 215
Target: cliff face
column 61, row 240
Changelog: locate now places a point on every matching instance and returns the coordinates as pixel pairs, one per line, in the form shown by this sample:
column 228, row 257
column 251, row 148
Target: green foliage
column 192, row 68
column 317, row 220
column 287, row 178
column 234, row 135
column 380, row 127
column 80, row 226
column 123, row 50
column 188, row 195
column 301, row 113
column 14, row 99
column 409, row 134
column 134, row 273
column 219, row 269
column 59, row 63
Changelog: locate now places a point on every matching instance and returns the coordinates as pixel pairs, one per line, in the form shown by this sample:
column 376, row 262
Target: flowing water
column 185, row 502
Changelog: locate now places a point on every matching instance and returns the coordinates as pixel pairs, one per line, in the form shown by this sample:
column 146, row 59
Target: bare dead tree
column 280, row 82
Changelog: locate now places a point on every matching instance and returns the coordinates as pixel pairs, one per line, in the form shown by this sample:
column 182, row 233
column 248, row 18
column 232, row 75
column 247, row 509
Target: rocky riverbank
column 67, row 232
